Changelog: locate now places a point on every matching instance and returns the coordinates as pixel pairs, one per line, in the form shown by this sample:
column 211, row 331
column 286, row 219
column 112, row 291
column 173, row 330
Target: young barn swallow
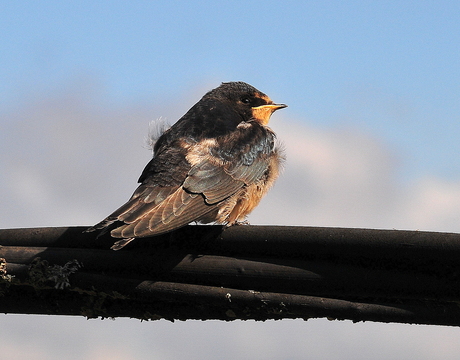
column 213, row 165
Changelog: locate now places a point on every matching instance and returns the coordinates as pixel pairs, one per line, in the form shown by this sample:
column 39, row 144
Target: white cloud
column 433, row 203
column 347, row 178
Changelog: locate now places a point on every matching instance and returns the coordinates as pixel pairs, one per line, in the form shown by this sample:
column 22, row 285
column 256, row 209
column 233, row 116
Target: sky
column 371, row 136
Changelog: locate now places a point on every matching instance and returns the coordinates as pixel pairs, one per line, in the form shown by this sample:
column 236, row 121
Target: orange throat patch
column 262, row 113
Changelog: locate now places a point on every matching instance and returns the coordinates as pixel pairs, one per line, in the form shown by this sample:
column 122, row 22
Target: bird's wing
column 221, row 169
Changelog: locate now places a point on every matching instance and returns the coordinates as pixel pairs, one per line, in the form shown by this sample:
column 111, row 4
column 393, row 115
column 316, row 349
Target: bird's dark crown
column 239, row 94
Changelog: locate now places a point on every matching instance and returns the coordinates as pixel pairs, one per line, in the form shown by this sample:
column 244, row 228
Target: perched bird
column 213, row 165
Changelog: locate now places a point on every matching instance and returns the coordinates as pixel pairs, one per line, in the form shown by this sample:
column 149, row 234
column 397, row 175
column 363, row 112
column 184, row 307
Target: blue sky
column 372, row 136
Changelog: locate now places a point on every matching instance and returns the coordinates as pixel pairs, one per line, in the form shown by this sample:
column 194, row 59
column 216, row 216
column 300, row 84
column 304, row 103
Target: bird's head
column 247, row 101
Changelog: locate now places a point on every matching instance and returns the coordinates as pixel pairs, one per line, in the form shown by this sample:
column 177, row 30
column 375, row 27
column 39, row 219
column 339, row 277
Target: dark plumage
column 213, row 165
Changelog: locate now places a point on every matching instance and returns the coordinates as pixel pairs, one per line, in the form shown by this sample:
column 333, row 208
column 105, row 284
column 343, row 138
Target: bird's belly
column 246, row 202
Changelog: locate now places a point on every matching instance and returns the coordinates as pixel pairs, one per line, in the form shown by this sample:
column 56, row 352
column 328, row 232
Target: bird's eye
column 246, row 100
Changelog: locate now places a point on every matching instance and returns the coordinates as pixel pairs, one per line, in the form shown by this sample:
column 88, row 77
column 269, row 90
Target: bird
column 213, row 165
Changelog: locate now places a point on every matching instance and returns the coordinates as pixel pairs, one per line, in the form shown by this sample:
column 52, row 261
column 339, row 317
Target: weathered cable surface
column 244, row 272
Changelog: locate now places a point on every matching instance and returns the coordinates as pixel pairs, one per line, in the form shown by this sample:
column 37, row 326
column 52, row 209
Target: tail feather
column 121, row 243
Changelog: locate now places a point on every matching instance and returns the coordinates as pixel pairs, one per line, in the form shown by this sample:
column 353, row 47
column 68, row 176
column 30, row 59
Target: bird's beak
column 262, row 113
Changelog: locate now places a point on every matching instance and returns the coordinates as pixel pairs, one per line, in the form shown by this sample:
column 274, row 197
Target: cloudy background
column 371, row 133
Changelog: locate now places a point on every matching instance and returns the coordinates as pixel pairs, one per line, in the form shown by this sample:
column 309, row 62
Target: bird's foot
column 238, row 223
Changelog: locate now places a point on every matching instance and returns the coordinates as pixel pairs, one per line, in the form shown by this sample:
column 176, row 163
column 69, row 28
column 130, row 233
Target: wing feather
column 164, row 218
column 212, row 181
column 140, row 206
